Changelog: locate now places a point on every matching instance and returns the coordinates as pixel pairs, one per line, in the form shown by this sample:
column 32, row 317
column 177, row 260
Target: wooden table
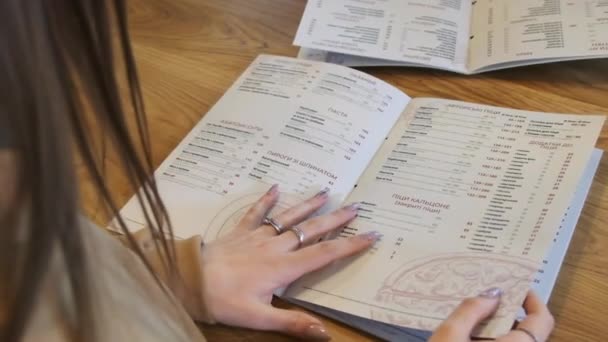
column 190, row 51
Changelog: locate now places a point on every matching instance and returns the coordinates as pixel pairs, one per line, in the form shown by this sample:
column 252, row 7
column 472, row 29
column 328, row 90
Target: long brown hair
column 58, row 77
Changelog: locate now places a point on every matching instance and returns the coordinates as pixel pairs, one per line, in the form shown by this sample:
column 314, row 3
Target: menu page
column 546, row 277
column 430, row 32
column 543, row 282
column 467, row 197
column 515, row 30
column 303, row 125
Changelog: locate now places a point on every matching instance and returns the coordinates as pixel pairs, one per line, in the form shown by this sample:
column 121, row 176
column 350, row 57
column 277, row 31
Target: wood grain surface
column 190, row 51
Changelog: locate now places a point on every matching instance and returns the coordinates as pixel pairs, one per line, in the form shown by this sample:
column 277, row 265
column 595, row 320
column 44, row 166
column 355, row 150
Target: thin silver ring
column 527, row 332
column 299, row 233
column 274, row 224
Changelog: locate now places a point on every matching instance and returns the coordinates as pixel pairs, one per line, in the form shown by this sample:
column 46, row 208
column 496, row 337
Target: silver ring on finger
column 274, row 224
column 527, row 332
column 299, row 233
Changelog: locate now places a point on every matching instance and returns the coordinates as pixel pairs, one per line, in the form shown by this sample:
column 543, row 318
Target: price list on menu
column 216, row 156
column 489, row 177
column 429, row 31
column 512, row 30
column 296, row 176
column 332, row 131
column 323, row 120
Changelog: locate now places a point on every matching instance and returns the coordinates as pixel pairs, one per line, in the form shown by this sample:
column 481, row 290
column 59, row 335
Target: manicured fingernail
column 353, row 206
column 491, row 293
column 273, row 189
column 322, row 193
column 372, row 236
column 317, row 332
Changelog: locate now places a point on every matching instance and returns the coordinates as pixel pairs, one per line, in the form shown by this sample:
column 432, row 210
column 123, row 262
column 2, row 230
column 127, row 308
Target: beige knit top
column 129, row 304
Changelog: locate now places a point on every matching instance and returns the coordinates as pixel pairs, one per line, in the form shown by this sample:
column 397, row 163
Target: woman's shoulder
column 128, row 302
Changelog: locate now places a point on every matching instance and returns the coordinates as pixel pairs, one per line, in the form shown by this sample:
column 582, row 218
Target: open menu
column 456, row 35
column 467, row 196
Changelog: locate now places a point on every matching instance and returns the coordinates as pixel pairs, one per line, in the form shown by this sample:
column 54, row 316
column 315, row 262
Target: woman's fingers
column 314, row 257
column 295, row 323
column 298, row 213
column 539, row 322
column 316, row 227
column 253, row 218
column 459, row 325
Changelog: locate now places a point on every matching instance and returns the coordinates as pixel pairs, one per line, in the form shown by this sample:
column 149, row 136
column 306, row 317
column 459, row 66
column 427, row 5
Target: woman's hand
column 243, row 269
column 536, row 327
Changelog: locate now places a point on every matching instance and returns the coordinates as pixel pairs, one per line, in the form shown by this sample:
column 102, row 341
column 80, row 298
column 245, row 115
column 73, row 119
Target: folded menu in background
column 467, row 196
column 457, row 35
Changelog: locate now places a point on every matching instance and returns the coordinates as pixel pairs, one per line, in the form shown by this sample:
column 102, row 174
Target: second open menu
column 430, row 32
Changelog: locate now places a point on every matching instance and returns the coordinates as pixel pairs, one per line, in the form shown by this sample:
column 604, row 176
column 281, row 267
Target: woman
column 61, row 278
